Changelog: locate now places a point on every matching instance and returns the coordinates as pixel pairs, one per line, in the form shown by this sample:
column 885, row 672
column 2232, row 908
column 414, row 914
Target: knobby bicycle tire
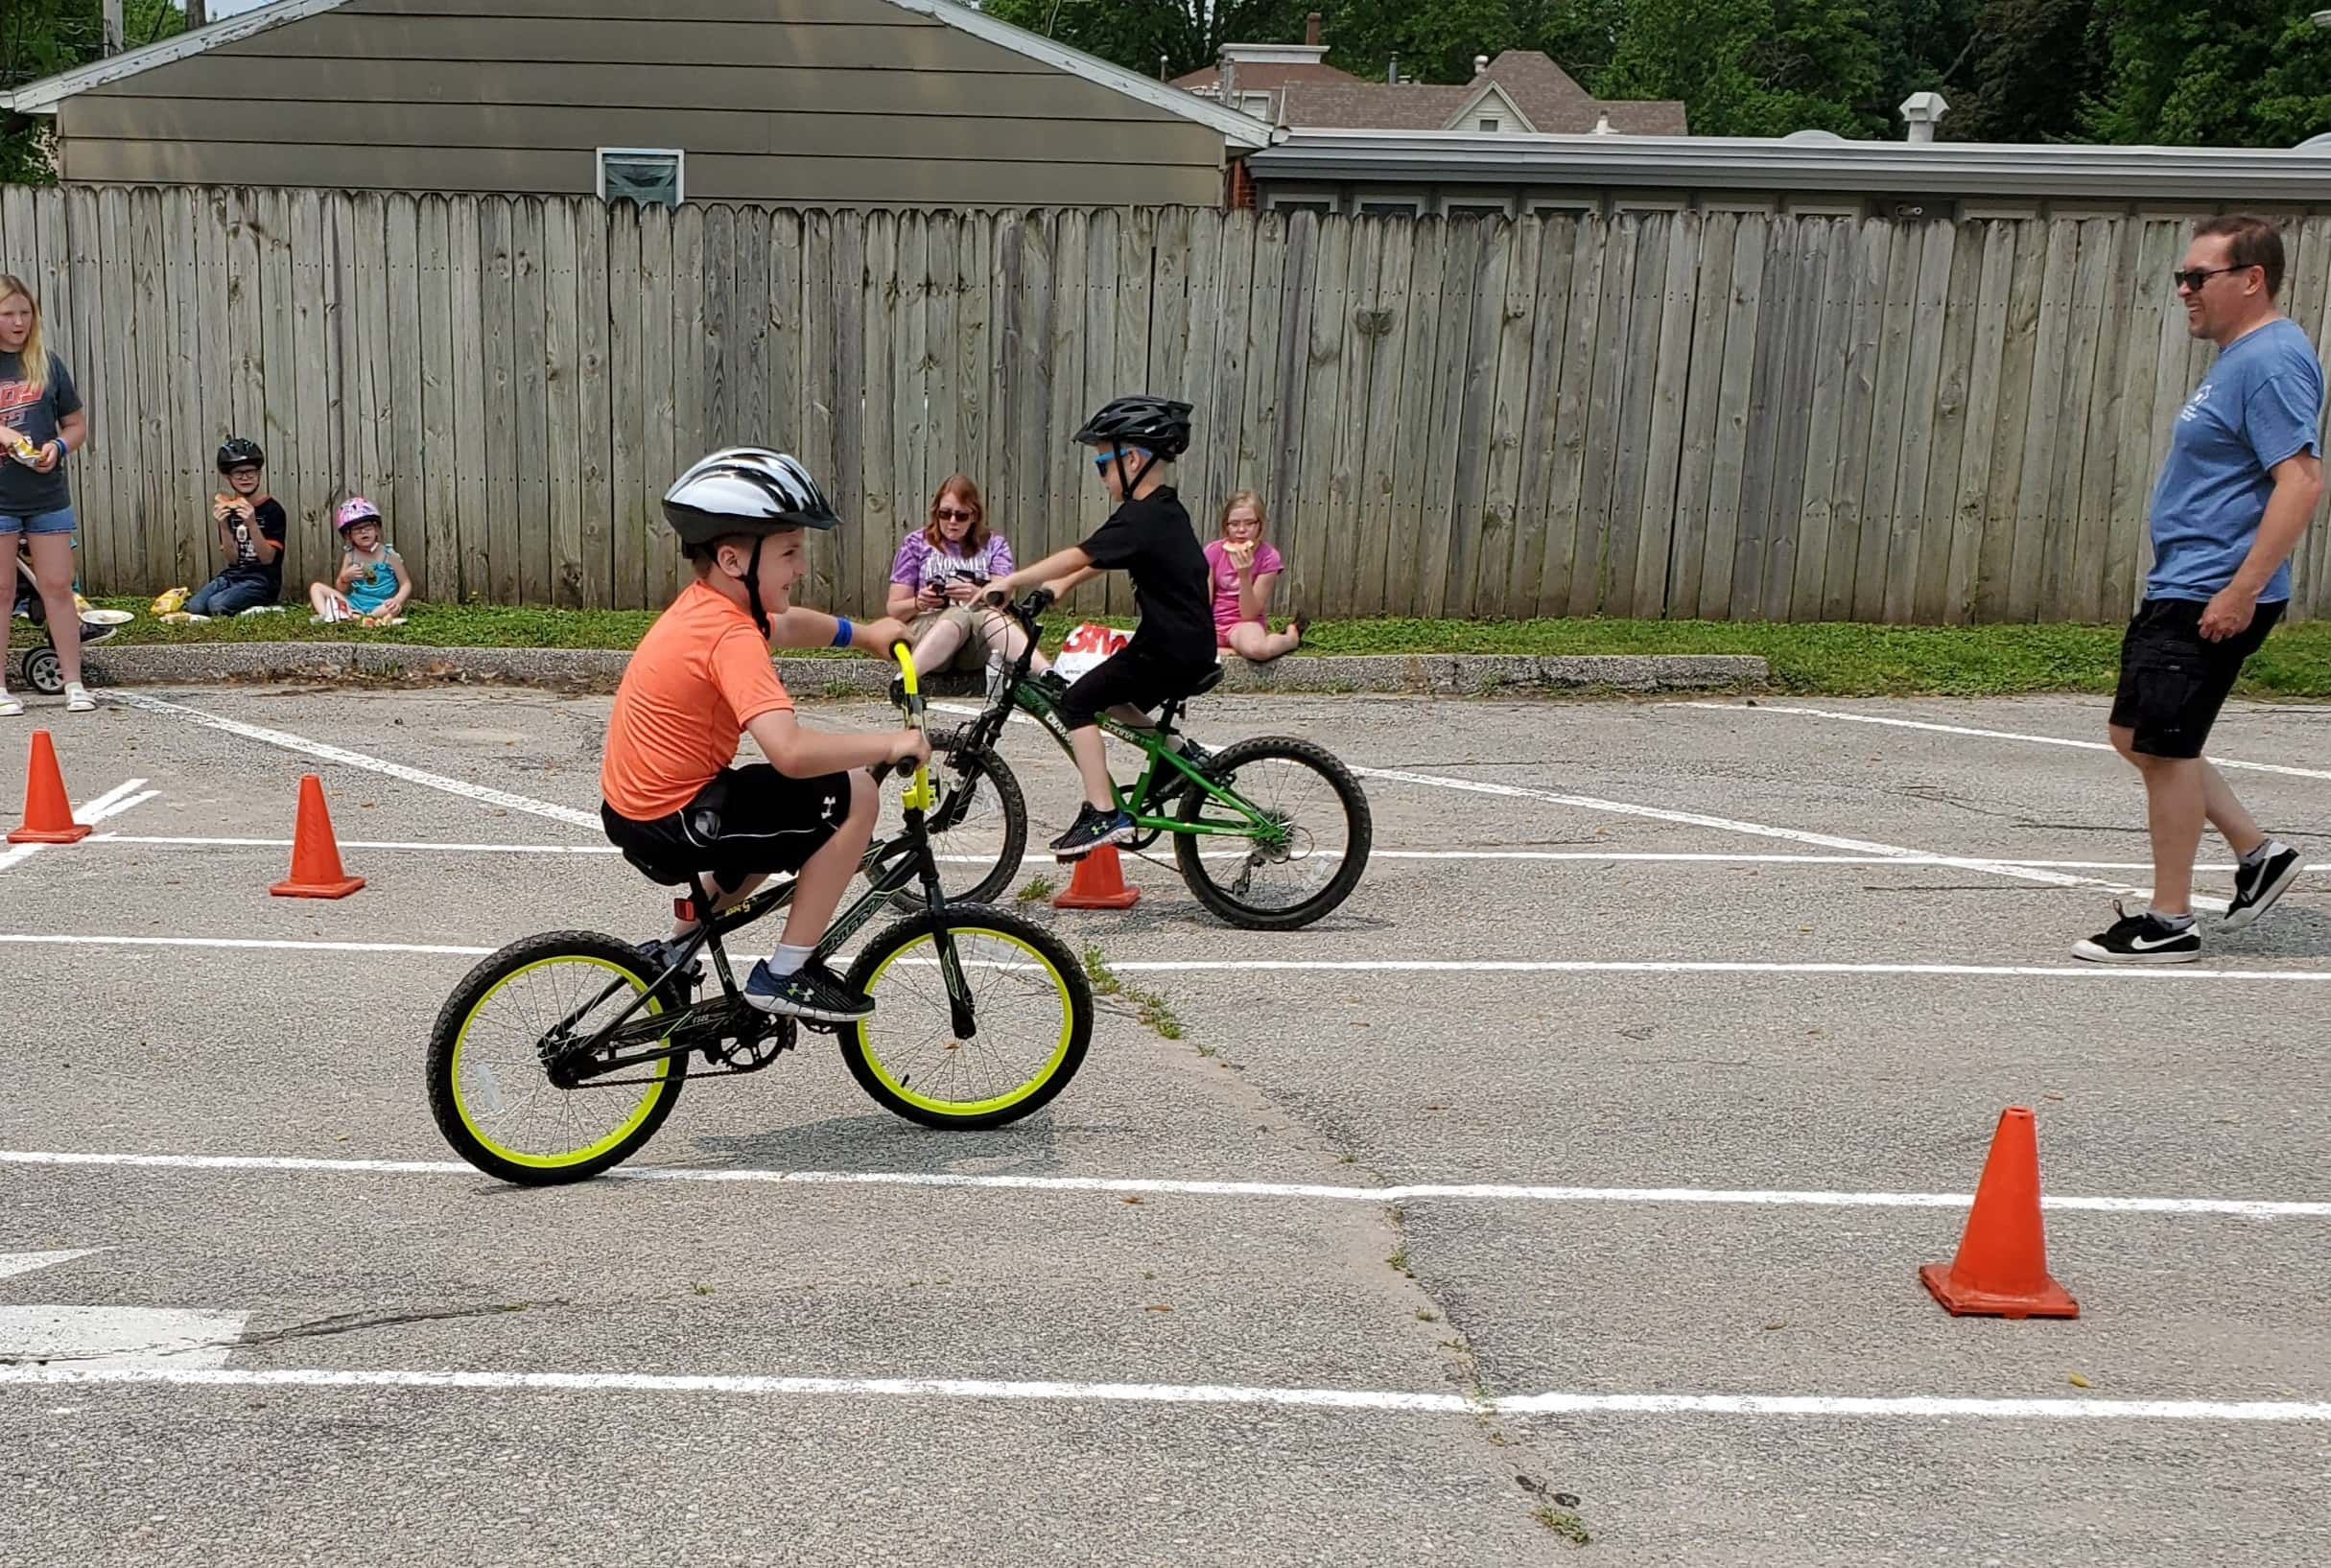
column 464, row 1126
column 1359, row 835
column 1055, row 971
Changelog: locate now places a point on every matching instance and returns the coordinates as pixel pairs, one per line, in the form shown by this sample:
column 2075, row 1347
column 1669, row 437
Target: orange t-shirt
column 700, row 675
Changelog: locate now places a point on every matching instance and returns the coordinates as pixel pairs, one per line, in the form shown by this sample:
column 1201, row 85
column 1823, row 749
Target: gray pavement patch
column 598, row 670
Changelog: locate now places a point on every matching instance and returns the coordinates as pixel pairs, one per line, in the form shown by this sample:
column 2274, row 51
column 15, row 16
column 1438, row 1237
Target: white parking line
column 1588, row 856
column 1760, row 829
column 1411, row 1192
column 356, row 759
column 1389, row 965
column 1730, row 825
column 126, row 796
column 1833, row 1406
column 1985, row 735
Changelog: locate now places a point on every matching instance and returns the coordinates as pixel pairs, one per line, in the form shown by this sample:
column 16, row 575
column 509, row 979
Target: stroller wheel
column 44, row 671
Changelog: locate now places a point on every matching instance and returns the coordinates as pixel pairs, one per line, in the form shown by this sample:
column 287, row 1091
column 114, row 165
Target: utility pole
column 195, row 15
column 114, row 27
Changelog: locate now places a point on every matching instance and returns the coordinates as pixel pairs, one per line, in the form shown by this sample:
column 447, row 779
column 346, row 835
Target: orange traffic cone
column 48, row 815
column 1099, row 883
column 316, row 869
column 2002, row 1267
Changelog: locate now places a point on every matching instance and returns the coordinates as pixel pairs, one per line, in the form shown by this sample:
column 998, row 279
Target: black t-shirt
column 25, row 491
column 268, row 514
column 1151, row 540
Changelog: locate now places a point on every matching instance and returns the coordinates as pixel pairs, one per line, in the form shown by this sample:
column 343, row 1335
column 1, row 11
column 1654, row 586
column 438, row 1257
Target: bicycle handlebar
column 1025, row 612
column 919, row 796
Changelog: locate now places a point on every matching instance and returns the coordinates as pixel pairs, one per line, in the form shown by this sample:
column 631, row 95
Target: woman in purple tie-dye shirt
column 936, row 579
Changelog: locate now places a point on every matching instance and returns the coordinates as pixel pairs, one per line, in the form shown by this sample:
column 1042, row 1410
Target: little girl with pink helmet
column 372, row 584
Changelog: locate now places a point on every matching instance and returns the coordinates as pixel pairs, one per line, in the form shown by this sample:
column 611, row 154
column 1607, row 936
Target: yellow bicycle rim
column 975, row 1108
column 660, row 1071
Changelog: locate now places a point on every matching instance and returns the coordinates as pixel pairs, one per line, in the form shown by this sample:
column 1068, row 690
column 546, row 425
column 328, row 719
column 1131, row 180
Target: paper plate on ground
column 108, row 618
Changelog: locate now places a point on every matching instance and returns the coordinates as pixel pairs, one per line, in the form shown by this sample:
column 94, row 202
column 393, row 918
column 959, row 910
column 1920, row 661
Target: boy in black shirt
column 1150, row 538
column 250, row 525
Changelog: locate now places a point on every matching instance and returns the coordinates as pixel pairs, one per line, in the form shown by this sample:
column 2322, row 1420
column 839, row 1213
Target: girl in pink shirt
column 1245, row 569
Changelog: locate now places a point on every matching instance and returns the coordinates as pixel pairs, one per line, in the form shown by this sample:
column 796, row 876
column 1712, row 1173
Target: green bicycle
column 1270, row 833
column 562, row 1054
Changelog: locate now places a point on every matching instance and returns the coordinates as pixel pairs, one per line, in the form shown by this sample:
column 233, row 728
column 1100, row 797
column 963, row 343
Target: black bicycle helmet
column 1157, row 425
column 237, row 452
column 745, row 490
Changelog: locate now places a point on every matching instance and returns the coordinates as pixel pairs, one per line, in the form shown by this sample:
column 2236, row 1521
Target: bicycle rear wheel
column 488, row 1069
column 979, row 833
column 1031, row 1017
column 1302, row 860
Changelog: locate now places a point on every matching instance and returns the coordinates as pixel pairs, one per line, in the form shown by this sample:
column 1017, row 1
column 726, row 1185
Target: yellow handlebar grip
column 919, row 795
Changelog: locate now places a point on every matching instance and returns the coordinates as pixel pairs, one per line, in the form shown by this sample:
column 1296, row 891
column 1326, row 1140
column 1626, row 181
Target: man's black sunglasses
column 2194, row 277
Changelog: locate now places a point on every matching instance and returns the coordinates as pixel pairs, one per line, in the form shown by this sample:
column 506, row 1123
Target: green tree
column 1436, row 40
column 1135, row 33
column 41, row 38
column 2242, row 73
column 1754, row 67
column 2032, row 64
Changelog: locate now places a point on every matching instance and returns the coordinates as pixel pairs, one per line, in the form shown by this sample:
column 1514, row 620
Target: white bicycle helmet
column 744, row 490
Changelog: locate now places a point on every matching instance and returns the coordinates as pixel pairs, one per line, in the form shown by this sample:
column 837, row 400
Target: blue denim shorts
column 60, row 521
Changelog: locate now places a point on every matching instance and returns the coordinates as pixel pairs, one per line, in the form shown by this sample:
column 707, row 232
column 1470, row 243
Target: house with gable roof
column 827, row 103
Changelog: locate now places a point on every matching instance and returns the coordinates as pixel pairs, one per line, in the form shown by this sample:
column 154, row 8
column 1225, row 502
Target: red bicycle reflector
column 683, row 909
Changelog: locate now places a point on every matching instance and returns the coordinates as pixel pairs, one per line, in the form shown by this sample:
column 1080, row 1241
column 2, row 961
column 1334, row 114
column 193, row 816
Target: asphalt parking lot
column 1570, row 1181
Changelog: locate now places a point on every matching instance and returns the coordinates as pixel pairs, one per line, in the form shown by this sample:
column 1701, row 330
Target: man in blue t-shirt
column 2242, row 477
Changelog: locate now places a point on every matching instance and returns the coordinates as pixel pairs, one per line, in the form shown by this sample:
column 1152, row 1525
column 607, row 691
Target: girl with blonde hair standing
column 41, row 423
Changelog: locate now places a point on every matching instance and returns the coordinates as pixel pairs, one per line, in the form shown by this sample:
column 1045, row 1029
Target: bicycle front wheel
column 489, row 1080
column 1300, row 852
column 979, row 831
column 1029, row 1009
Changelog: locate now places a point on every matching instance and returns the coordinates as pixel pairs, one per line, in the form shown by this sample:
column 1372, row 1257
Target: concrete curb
column 598, row 669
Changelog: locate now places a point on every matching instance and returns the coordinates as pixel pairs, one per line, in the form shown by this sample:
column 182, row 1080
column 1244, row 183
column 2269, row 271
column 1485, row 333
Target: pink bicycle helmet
column 354, row 510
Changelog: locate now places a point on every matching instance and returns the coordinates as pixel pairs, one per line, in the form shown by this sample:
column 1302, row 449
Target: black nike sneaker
column 2141, row 939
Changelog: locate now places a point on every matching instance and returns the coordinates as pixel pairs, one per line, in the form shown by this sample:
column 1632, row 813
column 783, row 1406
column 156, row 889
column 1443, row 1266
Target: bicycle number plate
column 1086, row 648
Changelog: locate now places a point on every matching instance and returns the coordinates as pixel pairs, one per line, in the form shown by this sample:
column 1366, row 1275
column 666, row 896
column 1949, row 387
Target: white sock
column 2174, row 923
column 788, row 959
column 2257, row 857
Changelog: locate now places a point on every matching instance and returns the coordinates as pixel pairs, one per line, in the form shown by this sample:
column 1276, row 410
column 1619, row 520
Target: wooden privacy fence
column 1721, row 415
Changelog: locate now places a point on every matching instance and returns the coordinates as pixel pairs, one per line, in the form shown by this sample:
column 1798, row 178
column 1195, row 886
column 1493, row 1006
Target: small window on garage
column 1489, row 121
column 1388, row 209
column 651, row 176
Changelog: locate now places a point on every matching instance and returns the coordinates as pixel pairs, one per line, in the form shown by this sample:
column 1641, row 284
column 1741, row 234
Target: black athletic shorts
column 2174, row 680
column 747, row 821
column 1132, row 676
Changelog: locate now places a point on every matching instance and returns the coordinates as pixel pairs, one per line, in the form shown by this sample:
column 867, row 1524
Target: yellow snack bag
column 20, row 445
column 170, row 600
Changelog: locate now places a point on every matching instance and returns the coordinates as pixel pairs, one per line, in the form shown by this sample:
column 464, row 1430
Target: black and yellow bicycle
column 562, row 1054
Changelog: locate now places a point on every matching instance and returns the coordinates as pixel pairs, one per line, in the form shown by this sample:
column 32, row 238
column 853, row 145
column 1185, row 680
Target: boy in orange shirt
column 701, row 677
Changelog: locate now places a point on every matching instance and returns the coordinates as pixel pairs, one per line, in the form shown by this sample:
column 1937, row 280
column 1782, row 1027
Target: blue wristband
column 841, row 631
